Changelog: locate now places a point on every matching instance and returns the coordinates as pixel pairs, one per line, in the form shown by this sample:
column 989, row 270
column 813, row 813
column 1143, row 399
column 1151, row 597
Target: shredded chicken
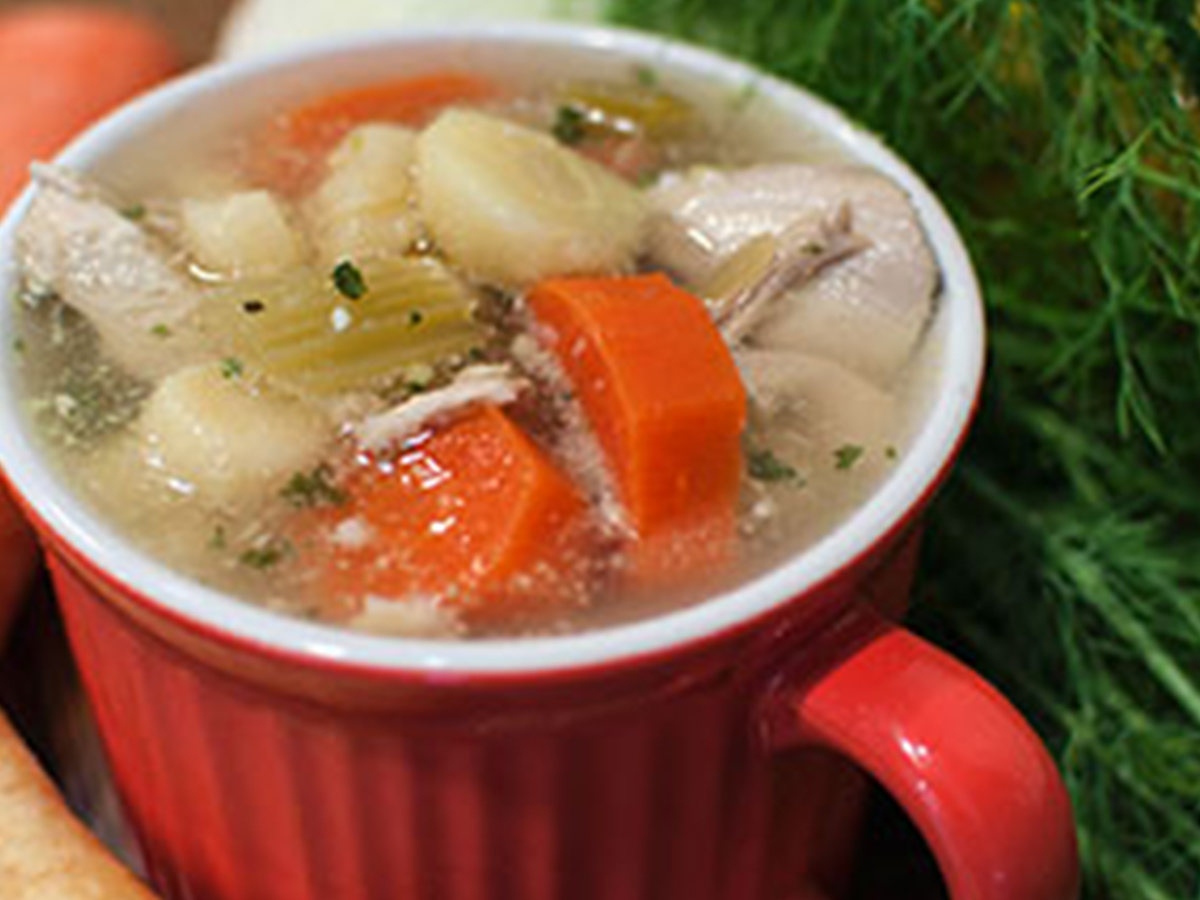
column 866, row 307
column 75, row 244
column 414, row 617
column 475, row 384
column 798, row 258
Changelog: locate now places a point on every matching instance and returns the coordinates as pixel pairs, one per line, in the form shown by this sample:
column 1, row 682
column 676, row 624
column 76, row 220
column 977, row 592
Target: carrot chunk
column 661, row 390
column 475, row 515
column 289, row 154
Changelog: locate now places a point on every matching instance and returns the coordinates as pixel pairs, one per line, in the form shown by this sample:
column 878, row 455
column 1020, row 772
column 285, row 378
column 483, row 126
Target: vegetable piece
column 241, row 234
column 662, row 392
column 228, row 441
column 475, row 514
column 291, row 152
column 64, row 66
column 302, row 331
column 512, row 205
column 363, row 207
column 607, row 108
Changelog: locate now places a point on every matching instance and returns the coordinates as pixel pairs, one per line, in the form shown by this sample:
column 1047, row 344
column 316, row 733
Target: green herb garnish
column 415, row 318
column 349, row 281
column 306, row 490
column 847, row 456
column 266, row 556
column 18, row 346
column 763, row 465
column 135, row 212
column 231, row 367
column 219, row 540
column 161, row 331
column 646, row 76
column 891, row 453
column 569, row 125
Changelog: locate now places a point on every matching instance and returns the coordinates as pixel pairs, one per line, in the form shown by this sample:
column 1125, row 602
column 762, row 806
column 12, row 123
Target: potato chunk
column 511, row 205
column 364, row 208
column 226, row 440
column 246, row 233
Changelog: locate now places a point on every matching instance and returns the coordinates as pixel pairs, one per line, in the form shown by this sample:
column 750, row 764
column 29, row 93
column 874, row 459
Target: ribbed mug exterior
column 246, row 779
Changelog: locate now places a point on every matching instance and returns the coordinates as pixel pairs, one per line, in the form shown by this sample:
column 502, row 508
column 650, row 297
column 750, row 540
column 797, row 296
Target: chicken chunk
column 866, row 308
column 477, row 384
column 77, row 245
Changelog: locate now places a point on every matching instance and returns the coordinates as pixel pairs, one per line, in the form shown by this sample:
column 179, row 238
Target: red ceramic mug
column 700, row 755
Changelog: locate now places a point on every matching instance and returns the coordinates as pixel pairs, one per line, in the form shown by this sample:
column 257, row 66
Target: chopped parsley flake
column 161, row 331
column 415, row 318
column 135, row 212
column 219, row 540
column 18, row 345
column 891, row 452
column 764, row 465
column 569, row 125
column 266, row 556
column 847, row 456
column 231, row 368
column 646, row 76
column 316, row 488
column 349, row 281
column 253, row 307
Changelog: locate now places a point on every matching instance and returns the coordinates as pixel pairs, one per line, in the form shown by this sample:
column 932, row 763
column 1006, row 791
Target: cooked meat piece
column 796, row 258
column 866, row 311
column 816, row 407
column 475, row 384
column 77, row 245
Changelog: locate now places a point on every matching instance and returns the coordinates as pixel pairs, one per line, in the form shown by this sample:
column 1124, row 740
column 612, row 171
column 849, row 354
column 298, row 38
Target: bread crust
column 45, row 852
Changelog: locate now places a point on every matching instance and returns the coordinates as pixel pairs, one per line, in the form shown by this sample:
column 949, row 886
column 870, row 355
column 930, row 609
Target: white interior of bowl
column 192, row 109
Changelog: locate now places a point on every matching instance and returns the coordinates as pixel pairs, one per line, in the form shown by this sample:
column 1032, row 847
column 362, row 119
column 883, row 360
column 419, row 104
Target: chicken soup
column 451, row 356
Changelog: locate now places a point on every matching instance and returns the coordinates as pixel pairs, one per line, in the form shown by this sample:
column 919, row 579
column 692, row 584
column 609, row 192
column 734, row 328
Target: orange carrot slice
column 65, row 65
column 290, row 153
column 660, row 388
column 475, row 515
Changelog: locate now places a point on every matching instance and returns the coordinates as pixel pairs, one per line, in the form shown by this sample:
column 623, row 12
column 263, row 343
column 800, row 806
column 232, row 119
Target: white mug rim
column 916, row 475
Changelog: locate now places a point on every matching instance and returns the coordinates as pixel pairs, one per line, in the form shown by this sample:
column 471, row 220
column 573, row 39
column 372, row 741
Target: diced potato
column 512, row 206
column 229, row 441
column 302, row 332
column 246, row 233
column 364, row 207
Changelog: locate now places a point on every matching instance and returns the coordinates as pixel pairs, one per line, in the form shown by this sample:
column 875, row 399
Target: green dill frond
column 1064, row 137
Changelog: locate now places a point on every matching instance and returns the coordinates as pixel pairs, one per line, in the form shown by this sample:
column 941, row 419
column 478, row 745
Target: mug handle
column 964, row 765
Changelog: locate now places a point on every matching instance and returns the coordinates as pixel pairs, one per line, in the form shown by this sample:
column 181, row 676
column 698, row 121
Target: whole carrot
column 61, row 68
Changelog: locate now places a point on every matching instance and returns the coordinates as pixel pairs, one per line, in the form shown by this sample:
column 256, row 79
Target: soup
column 454, row 356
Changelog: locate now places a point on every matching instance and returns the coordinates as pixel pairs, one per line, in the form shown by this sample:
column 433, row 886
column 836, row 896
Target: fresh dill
column 1062, row 136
